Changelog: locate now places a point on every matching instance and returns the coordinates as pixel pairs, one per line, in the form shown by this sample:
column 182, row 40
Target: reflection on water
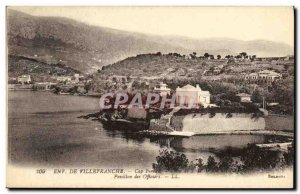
column 43, row 130
column 194, row 144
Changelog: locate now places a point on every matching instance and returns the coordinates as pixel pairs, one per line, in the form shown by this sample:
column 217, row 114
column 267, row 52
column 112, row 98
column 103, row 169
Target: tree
column 57, row 90
column 128, row 78
column 211, row 57
column 255, row 158
column 238, row 56
column 114, row 79
column 226, row 164
column 227, row 57
column 206, row 55
column 158, row 53
column 193, row 55
column 227, row 102
column 177, row 55
column 169, row 161
column 200, row 166
column 283, row 93
column 289, row 155
column 243, row 54
column 211, row 165
column 87, row 86
column 218, row 56
column 256, row 96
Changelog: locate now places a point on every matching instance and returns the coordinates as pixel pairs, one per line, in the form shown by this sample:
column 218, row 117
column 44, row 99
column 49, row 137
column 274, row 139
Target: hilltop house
column 251, row 76
column 267, row 74
column 24, row 79
column 162, row 89
column 192, row 94
column 264, row 76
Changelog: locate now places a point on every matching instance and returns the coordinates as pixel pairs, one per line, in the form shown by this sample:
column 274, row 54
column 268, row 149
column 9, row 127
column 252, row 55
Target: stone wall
column 206, row 123
column 279, row 122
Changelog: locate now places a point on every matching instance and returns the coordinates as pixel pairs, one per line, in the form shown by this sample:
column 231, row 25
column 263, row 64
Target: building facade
column 24, row 79
column 162, row 89
column 63, row 78
column 244, row 97
column 264, row 76
column 76, row 77
column 190, row 94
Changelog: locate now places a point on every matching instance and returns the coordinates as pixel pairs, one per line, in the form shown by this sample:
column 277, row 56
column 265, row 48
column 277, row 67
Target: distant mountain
column 86, row 48
column 224, row 46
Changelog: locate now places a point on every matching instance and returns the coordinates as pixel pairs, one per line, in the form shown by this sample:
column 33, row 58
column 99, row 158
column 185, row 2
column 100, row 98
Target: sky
column 242, row 23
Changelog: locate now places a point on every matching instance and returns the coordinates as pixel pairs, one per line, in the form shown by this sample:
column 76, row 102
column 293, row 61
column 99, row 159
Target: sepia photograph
column 150, row 97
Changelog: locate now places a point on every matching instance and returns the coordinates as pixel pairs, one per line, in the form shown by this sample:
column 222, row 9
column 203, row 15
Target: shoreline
column 188, row 133
column 63, row 94
column 251, row 132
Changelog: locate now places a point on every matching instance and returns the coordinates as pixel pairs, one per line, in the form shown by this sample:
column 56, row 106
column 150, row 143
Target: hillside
column 87, row 48
column 73, row 43
column 174, row 65
column 18, row 65
column 166, row 65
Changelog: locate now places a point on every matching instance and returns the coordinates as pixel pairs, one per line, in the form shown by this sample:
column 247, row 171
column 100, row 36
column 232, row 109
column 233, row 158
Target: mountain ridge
column 87, row 48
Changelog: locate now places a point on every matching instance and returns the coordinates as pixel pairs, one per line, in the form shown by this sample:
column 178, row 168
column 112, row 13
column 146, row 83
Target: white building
column 44, row 85
column 190, row 94
column 253, row 76
column 244, row 97
column 76, row 77
column 271, row 75
column 162, row 89
column 264, row 75
column 63, row 78
column 24, row 79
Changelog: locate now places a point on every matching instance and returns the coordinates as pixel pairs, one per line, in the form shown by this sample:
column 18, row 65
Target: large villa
column 192, row 94
column 186, row 95
column 264, row 75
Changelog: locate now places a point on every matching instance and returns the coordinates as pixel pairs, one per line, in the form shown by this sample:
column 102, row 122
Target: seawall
column 274, row 122
column 220, row 122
